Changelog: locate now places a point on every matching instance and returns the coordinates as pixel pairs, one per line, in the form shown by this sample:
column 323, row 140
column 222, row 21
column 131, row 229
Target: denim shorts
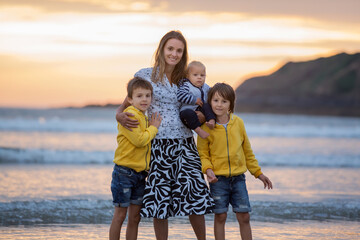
column 127, row 186
column 230, row 190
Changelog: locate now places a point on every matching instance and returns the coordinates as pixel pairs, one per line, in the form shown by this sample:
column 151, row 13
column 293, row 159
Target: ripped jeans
column 127, row 186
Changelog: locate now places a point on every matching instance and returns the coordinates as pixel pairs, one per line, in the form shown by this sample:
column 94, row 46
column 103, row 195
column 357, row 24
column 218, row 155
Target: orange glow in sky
column 65, row 52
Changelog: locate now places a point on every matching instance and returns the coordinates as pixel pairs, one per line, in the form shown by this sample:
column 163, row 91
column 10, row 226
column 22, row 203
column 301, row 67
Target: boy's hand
column 199, row 102
column 155, row 120
column 125, row 120
column 266, row 181
column 211, row 176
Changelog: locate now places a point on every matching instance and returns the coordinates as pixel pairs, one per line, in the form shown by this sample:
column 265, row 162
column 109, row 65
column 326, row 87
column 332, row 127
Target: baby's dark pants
column 190, row 118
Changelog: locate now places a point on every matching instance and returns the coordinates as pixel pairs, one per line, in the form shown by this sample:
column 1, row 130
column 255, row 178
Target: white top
column 165, row 102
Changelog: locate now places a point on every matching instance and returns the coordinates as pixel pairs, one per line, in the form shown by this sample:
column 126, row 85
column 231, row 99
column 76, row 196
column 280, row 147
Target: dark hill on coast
column 324, row 86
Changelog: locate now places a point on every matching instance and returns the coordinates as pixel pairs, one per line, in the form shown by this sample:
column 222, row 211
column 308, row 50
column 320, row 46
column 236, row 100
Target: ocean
column 56, row 164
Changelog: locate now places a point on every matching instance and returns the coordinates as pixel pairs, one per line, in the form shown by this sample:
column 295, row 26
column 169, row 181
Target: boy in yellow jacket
column 132, row 158
column 225, row 156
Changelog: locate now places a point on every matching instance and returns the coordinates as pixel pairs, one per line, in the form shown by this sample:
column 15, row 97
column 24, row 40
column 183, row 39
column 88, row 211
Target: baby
column 193, row 95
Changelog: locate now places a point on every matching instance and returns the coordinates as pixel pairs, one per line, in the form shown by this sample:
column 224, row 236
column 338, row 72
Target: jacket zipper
column 146, row 163
column 227, row 145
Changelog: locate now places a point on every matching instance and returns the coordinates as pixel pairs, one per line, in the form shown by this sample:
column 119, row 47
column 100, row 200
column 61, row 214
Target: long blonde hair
column 159, row 65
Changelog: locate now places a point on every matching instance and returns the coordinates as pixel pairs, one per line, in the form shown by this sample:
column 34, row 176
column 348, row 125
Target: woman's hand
column 155, row 120
column 199, row 102
column 125, row 120
column 201, row 117
column 124, row 117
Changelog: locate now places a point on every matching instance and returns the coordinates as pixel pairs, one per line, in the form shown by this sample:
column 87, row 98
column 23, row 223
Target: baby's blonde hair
column 194, row 63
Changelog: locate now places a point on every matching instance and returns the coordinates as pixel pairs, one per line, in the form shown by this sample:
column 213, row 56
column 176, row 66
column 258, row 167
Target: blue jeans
column 127, row 186
column 230, row 190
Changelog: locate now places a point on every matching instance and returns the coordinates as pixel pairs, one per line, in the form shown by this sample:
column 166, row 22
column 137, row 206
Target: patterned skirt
column 175, row 185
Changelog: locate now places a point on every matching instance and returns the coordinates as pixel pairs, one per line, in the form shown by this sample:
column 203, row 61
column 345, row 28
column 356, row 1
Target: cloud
column 331, row 10
column 347, row 9
column 87, row 6
column 56, row 5
column 73, row 36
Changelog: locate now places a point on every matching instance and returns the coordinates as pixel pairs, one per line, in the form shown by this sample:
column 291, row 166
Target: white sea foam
column 45, row 156
column 97, row 211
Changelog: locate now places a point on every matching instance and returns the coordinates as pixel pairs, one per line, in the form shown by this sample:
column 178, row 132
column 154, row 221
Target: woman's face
column 173, row 51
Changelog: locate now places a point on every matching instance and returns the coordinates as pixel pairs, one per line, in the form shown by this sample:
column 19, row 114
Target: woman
column 175, row 185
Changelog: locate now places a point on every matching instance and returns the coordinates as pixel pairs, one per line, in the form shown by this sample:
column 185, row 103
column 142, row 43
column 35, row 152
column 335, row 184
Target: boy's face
column 197, row 75
column 141, row 98
column 219, row 105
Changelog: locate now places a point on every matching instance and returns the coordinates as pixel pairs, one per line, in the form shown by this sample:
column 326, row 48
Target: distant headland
column 324, row 86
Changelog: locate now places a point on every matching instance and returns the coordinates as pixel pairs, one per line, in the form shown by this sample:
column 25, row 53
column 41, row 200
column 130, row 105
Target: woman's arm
column 124, row 117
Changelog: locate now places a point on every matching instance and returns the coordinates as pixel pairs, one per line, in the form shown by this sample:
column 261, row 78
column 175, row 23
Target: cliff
column 324, row 86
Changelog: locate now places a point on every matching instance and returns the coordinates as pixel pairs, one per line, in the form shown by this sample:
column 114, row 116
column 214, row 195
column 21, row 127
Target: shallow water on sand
column 261, row 231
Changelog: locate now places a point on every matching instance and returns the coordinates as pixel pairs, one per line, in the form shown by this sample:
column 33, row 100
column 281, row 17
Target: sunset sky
column 57, row 53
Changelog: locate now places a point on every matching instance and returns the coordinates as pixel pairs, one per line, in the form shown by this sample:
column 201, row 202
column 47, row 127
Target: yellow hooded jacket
column 227, row 151
column 134, row 146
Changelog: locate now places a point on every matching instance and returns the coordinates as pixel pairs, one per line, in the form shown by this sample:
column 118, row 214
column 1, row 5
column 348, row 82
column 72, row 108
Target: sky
column 56, row 53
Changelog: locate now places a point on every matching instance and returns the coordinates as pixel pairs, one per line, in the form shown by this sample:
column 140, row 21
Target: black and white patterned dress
column 175, row 185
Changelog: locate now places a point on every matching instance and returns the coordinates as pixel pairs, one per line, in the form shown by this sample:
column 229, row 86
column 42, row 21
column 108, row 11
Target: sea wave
column 310, row 160
column 58, row 125
column 103, row 121
column 99, row 211
column 299, row 130
column 49, row 156
column 325, row 210
column 45, row 156
column 104, row 126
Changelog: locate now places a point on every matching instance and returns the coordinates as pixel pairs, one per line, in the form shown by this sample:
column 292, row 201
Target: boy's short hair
column 194, row 63
column 225, row 91
column 137, row 82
